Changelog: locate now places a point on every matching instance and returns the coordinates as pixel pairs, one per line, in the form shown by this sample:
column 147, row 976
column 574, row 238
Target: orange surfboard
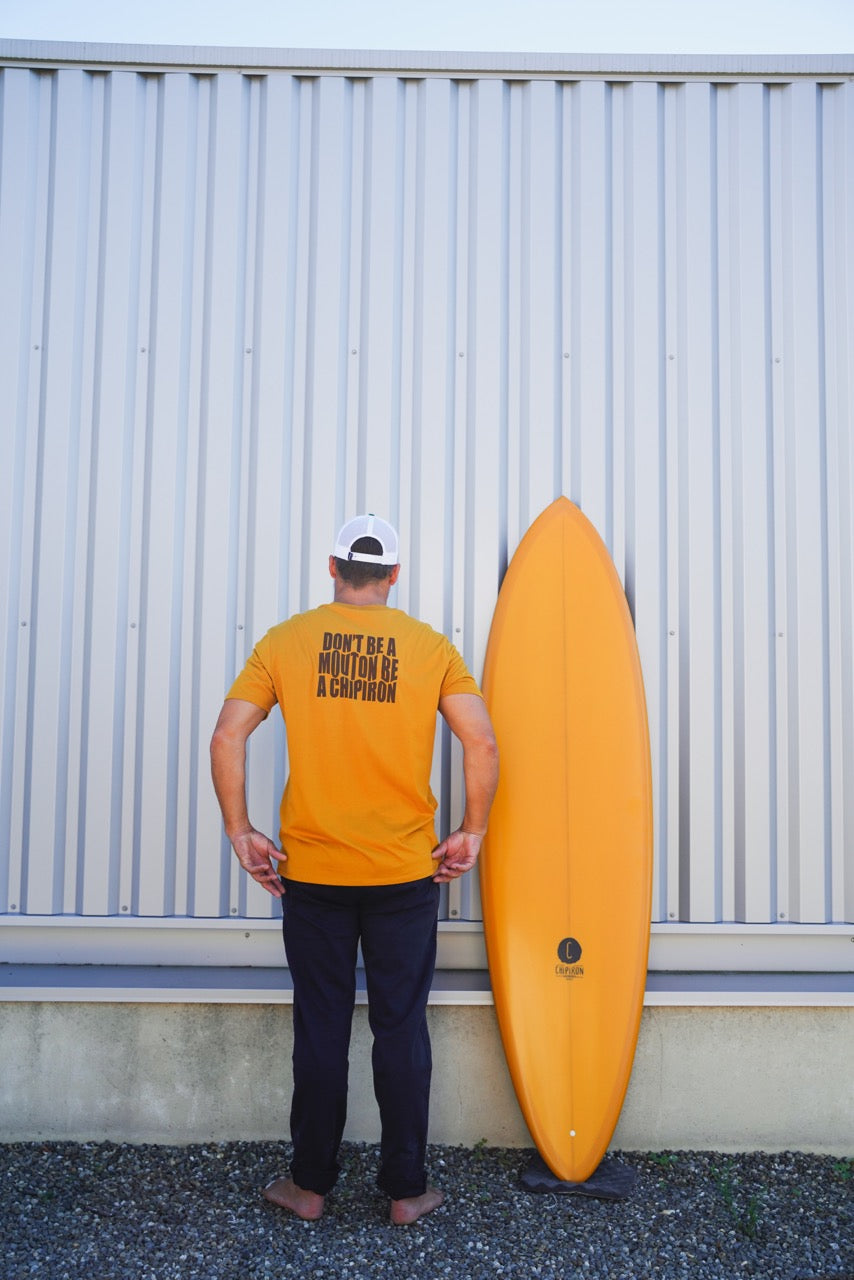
column 566, row 868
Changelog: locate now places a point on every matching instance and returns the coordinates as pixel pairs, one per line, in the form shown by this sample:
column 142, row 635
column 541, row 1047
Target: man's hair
column 360, row 572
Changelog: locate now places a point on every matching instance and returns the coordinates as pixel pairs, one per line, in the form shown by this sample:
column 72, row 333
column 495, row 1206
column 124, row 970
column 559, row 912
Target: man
column 359, row 684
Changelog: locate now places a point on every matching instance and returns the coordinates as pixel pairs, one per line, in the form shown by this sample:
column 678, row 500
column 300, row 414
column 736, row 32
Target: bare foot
column 284, row 1192
column 404, row 1212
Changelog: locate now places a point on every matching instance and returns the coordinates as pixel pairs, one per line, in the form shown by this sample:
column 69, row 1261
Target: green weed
column 747, row 1217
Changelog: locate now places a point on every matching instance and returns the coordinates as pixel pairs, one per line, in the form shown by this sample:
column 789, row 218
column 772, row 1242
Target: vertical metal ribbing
column 241, row 306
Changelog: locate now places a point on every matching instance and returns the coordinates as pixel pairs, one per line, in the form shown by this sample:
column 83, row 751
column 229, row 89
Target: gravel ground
column 121, row 1212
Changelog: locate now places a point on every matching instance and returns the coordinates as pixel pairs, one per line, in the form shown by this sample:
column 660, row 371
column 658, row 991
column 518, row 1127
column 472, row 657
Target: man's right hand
column 456, row 855
column 254, row 852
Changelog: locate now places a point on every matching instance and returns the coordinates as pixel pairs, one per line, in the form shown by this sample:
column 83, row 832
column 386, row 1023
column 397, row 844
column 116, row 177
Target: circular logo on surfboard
column 569, row 951
column 569, row 955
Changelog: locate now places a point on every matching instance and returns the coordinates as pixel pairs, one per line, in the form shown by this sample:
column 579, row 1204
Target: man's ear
column 394, row 575
column 333, row 568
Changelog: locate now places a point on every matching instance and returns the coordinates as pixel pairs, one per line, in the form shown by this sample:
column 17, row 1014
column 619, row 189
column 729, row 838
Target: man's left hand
column 256, row 854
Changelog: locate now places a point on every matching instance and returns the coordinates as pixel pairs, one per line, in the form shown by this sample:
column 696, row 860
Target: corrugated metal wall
column 238, row 307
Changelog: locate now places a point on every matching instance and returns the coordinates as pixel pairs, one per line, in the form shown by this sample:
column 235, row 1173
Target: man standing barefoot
column 359, row 685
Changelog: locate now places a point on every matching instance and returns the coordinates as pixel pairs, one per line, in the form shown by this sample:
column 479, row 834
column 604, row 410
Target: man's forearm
column 480, row 771
column 254, row 851
column 228, row 771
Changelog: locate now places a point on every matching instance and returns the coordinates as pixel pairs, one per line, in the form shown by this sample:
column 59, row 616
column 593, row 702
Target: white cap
column 368, row 526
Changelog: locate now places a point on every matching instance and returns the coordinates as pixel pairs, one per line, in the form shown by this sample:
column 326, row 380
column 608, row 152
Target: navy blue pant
column 322, row 927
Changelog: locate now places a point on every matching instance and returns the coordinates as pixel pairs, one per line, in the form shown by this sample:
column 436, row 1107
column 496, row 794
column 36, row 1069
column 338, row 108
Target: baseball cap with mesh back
column 367, row 526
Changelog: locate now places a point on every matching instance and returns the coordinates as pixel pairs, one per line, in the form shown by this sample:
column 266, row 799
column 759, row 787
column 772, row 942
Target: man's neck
column 371, row 593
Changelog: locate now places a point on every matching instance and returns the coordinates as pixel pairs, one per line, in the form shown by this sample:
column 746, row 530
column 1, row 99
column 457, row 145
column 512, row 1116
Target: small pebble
column 108, row 1211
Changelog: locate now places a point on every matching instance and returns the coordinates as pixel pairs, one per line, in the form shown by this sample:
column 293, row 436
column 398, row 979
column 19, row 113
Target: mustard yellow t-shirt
column 359, row 687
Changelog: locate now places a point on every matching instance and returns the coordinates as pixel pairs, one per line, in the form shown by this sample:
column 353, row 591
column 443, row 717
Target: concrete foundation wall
column 727, row 1079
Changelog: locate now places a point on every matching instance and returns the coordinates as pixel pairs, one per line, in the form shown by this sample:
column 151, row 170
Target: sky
column 514, row 26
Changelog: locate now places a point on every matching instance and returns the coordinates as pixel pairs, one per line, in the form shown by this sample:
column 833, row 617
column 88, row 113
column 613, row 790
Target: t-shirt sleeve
column 255, row 682
column 458, row 678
